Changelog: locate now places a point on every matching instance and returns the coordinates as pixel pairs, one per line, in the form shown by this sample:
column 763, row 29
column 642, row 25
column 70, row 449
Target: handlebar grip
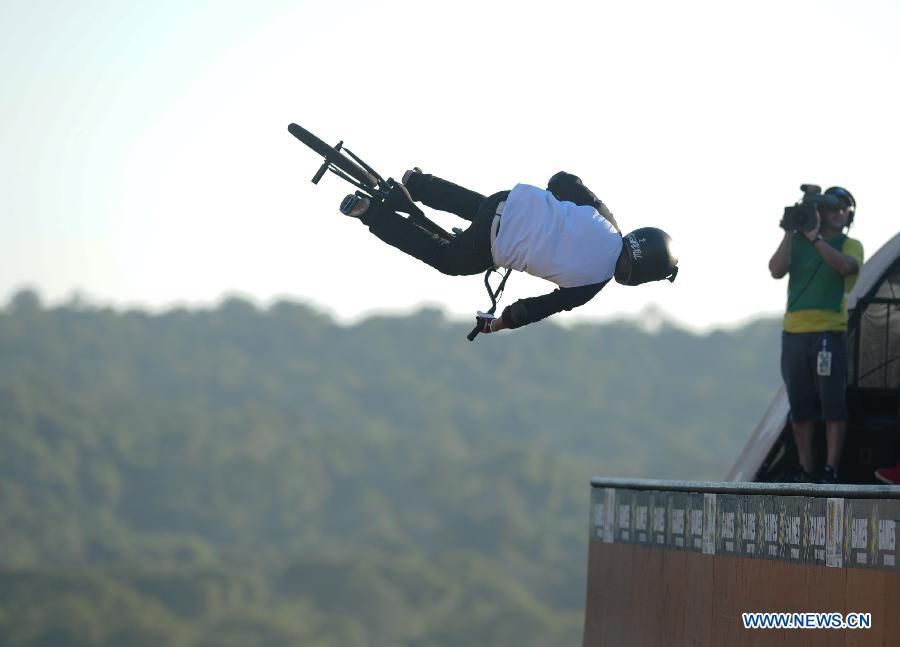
column 472, row 335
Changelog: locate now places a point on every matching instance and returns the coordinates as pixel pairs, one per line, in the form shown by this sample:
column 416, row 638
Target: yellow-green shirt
column 817, row 293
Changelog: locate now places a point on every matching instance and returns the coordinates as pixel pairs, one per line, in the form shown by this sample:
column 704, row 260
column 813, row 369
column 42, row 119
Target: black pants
column 468, row 252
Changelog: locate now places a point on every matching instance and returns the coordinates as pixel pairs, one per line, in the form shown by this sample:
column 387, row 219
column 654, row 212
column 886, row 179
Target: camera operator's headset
column 838, row 192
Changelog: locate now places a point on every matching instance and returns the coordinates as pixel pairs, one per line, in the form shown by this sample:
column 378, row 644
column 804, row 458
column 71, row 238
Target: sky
column 146, row 160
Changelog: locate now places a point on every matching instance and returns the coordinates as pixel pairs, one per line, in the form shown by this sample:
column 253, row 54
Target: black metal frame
column 856, row 327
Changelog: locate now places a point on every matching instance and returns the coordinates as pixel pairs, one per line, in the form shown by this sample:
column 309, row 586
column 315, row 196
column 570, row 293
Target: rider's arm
column 780, row 262
column 604, row 211
column 569, row 188
column 526, row 311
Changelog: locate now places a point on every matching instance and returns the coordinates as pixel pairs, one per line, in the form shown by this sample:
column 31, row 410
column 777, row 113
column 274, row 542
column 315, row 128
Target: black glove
column 484, row 320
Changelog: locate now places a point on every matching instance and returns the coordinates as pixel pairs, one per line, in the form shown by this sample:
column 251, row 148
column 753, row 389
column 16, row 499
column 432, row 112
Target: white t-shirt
column 558, row 241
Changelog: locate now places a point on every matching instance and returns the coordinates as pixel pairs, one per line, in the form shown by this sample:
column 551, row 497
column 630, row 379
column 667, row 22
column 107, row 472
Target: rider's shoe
column 409, row 174
column 413, row 180
column 355, row 205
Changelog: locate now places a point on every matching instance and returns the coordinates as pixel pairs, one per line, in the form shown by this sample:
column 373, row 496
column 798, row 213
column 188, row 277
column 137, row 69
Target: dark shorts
column 813, row 396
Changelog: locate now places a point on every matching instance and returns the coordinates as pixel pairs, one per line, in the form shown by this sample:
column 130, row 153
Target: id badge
column 823, row 363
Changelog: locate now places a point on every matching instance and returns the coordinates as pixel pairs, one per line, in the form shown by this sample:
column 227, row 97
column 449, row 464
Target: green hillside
column 239, row 476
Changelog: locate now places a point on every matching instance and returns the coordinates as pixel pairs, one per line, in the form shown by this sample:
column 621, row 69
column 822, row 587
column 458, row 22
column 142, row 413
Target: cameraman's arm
column 780, row 262
column 844, row 264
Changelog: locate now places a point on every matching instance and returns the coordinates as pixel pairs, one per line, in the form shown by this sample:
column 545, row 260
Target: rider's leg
column 442, row 195
column 468, row 252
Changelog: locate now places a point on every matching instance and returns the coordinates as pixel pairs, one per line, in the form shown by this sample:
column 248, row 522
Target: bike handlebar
column 494, row 294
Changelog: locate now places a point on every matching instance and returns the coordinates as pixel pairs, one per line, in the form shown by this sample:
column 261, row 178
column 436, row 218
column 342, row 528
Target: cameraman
column 823, row 263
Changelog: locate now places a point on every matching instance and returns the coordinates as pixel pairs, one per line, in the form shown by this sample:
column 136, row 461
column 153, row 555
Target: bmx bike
column 350, row 167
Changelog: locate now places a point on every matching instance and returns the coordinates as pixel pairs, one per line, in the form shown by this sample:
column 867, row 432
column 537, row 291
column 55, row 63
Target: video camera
column 802, row 216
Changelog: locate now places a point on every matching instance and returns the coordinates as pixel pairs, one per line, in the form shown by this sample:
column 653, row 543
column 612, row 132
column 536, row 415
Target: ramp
column 678, row 563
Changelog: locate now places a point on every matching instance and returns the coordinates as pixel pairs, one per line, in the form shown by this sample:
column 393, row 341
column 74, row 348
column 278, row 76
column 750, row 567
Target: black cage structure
column 874, row 335
column 873, row 391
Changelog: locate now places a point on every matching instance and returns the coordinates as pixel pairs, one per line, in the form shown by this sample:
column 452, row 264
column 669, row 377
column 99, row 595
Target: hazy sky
column 145, row 157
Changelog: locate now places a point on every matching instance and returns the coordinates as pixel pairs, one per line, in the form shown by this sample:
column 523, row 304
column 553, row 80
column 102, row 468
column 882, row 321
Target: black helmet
column 843, row 194
column 651, row 254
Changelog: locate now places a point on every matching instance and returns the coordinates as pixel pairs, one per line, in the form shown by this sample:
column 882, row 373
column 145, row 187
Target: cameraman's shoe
column 799, row 476
column 828, row 476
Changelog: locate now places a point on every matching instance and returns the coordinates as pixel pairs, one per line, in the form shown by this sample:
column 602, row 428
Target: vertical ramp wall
column 677, row 563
